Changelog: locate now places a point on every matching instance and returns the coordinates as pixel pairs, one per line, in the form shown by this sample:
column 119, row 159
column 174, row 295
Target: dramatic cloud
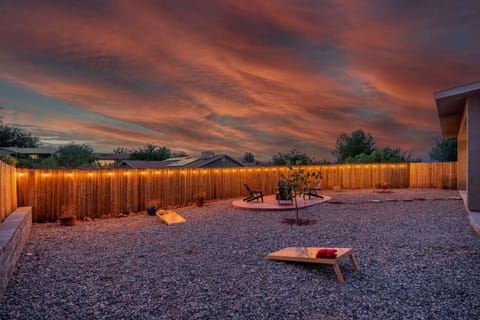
column 233, row 76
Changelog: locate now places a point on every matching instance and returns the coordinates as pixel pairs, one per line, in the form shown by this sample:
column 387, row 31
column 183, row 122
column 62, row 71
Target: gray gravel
column 418, row 260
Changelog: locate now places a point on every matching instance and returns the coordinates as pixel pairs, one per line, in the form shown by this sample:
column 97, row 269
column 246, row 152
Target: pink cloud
column 236, row 76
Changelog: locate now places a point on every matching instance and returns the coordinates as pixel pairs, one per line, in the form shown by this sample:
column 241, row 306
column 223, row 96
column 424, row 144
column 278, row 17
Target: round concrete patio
column 270, row 203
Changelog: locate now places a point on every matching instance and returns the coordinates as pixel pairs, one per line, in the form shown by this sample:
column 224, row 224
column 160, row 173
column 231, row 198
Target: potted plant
column 444, row 182
column 68, row 216
column 152, row 207
column 199, row 198
column 128, row 209
column 284, row 192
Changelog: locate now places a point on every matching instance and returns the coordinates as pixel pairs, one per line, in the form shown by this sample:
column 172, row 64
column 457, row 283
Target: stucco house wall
column 459, row 113
column 473, row 152
column 462, row 155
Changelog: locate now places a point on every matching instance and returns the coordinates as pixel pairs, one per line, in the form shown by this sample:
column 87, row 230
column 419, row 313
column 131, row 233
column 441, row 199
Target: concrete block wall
column 14, row 232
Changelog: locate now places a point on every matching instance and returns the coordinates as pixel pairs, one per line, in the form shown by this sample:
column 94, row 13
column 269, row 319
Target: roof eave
column 451, row 105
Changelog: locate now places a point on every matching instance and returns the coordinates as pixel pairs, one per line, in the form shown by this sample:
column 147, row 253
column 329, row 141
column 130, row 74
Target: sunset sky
column 233, row 76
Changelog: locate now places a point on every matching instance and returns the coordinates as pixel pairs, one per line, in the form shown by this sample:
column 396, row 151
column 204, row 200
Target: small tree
column 248, row 157
column 8, row 160
column 28, row 163
column 45, row 163
column 445, row 150
column 293, row 158
column 349, row 146
column 296, row 181
column 74, row 155
column 150, row 152
column 387, row 154
column 17, row 137
column 121, row 150
column 49, row 163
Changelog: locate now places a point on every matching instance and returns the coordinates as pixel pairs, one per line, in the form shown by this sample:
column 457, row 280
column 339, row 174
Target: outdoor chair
column 313, row 191
column 253, row 194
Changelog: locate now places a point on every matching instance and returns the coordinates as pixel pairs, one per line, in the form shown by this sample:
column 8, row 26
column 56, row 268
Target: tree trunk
column 294, row 195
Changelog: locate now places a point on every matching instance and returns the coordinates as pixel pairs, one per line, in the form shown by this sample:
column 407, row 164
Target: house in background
column 143, row 164
column 207, row 160
column 24, row 153
column 459, row 112
column 101, row 159
column 110, row 159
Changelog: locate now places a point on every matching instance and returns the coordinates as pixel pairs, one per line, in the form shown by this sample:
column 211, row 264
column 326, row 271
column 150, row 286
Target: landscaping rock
column 417, row 259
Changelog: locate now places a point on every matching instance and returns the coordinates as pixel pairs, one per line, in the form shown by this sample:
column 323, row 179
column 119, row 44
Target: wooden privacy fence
column 8, row 190
column 432, row 175
column 97, row 192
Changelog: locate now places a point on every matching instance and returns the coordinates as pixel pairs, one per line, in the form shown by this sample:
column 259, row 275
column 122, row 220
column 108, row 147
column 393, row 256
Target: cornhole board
column 170, row 217
column 307, row 254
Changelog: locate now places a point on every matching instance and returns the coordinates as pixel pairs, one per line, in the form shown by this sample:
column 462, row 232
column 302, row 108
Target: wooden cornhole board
column 170, row 217
column 307, row 254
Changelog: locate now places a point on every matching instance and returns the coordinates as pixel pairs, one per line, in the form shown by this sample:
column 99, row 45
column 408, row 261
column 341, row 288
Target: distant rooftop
column 28, row 151
column 111, row 156
column 181, row 162
column 205, row 160
column 145, row 164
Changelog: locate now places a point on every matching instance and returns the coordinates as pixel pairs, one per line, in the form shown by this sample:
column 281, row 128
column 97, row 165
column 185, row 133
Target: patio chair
column 253, row 194
column 313, row 191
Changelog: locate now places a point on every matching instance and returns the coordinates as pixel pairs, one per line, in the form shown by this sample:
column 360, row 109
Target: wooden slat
column 111, row 191
column 430, row 175
column 8, row 190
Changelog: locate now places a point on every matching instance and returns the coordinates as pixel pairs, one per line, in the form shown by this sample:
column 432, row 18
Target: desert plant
column 128, row 208
column 382, row 185
column 199, row 198
column 8, row 160
column 152, row 206
column 295, row 182
column 67, row 210
column 68, row 216
column 444, row 182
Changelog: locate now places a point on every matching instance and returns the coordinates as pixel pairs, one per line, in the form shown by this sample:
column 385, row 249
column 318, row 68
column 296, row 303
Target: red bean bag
column 326, row 253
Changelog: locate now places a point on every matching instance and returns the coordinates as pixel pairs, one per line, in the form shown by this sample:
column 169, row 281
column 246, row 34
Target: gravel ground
column 418, row 260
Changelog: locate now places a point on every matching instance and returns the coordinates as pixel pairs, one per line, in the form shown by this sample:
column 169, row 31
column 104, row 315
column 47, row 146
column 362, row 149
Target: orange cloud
column 236, row 76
